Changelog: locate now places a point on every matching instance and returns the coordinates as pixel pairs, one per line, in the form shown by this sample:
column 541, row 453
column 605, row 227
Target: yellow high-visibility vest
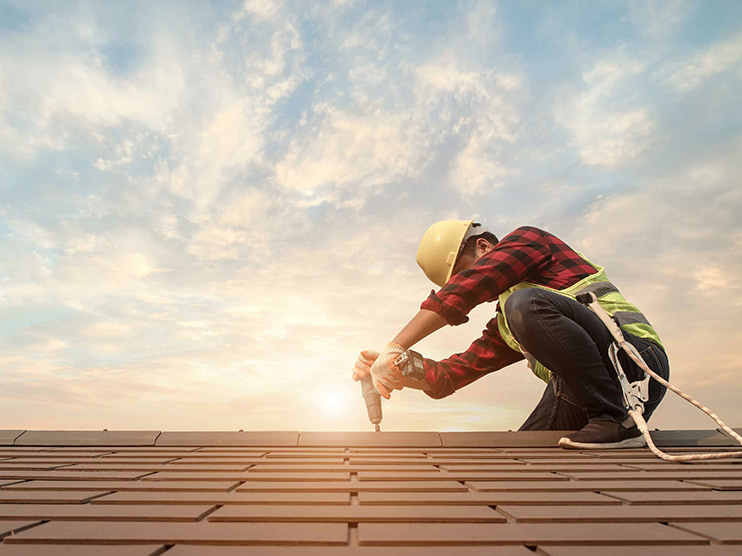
column 626, row 314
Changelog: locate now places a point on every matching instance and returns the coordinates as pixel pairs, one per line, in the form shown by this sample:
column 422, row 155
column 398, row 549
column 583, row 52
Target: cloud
column 720, row 57
column 661, row 20
column 261, row 9
column 605, row 126
column 349, row 150
column 345, row 149
column 58, row 96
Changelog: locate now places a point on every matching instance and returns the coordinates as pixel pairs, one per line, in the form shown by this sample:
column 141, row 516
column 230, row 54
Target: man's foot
column 603, row 435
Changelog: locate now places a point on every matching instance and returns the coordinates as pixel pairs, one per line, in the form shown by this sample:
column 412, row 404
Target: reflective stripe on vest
column 627, row 315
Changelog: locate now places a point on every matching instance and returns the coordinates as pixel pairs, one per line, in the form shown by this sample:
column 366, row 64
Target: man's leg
column 570, row 339
column 555, row 411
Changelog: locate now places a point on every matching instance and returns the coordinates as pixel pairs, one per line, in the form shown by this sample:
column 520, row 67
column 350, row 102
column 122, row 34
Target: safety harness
column 636, row 393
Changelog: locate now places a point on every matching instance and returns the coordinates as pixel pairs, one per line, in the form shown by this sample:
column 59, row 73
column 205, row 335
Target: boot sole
column 635, row 442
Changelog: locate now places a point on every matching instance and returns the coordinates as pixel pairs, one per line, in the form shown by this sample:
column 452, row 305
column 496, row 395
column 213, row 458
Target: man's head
column 450, row 246
column 474, row 248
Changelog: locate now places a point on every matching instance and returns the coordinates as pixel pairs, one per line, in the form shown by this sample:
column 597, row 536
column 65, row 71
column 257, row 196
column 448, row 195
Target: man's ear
column 483, row 246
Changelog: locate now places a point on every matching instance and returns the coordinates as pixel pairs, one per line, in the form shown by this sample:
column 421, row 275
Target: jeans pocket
column 562, row 391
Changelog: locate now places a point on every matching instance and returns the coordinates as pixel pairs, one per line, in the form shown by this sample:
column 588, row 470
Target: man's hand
column 362, row 367
column 380, row 366
column 384, row 372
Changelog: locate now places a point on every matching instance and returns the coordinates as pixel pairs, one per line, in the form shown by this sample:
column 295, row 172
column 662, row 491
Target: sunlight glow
column 333, row 403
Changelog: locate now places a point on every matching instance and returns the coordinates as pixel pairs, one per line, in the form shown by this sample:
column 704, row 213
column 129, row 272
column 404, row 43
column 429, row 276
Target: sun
column 333, row 403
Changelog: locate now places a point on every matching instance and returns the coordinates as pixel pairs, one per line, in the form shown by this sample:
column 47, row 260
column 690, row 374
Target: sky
column 207, row 209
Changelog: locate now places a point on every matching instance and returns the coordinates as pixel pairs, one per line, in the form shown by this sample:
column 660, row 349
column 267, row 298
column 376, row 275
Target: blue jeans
column 568, row 338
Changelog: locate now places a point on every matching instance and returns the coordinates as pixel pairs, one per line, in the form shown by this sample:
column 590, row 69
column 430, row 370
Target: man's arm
column 486, row 354
column 442, row 378
column 423, row 324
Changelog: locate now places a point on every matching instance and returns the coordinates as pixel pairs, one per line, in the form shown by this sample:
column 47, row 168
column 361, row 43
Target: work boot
column 603, row 435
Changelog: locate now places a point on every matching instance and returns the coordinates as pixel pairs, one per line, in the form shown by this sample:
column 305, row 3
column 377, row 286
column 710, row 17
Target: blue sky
column 208, row 209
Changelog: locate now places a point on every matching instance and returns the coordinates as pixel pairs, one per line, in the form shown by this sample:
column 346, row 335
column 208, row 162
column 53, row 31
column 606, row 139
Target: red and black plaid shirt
column 525, row 255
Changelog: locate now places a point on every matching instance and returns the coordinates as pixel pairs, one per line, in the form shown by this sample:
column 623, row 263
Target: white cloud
column 602, row 134
column 475, row 169
column 351, row 151
column 262, row 9
column 85, row 244
column 397, row 139
column 720, row 57
column 59, row 96
column 711, row 280
column 106, row 330
column 660, row 20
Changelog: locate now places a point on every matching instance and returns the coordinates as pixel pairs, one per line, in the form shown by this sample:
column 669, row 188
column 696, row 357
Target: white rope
column 636, row 411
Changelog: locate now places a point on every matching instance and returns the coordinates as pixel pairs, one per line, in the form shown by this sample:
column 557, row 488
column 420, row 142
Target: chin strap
column 636, row 393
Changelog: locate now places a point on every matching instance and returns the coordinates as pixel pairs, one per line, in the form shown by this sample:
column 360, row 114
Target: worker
column 534, row 276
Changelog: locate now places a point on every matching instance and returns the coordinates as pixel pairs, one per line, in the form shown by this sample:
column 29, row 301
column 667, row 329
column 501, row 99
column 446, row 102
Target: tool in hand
column 410, row 364
column 636, row 393
column 373, row 401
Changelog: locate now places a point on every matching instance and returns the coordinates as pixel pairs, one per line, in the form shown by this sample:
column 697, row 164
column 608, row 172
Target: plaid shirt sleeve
column 520, row 255
column 487, row 354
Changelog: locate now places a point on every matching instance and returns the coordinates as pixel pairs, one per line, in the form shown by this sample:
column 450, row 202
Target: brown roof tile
column 439, row 514
column 63, row 475
column 593, row 486
column 487, row 498
column 12, row 527
column 718, row 484
column 48, row 496
column 353, row 486
column 218, row 498
column 603, row 550
column 87, row 438
column 523, row 533
column 721, row 532
column 250, row 438
column 612, row 514
column 9, row 436
column 375, row 439
column 695, row 497
column 78, row 550
column 184, row 550
column 187, row 486
column 87, row 512
column 172, row 533
column 500, row 439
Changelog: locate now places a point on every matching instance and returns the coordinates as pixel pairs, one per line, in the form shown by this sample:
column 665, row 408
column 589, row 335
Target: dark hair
column 470, row 246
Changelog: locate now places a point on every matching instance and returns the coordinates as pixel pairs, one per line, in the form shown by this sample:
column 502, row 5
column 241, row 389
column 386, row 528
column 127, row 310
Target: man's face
column 465, row 261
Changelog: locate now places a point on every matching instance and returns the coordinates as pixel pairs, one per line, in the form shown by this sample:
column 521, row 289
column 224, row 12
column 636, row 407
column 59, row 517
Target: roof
column 145, row 493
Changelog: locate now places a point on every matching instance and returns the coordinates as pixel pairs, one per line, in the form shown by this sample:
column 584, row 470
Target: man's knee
column 521, row 305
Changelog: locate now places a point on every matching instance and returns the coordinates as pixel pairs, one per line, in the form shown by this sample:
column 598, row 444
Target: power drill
column 410, row 363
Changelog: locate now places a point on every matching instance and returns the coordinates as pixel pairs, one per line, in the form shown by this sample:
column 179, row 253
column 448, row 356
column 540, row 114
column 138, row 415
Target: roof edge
column 401, row 439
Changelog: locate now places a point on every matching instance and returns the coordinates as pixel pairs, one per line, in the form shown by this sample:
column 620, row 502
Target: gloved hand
column 363, row 365
column 384, row 372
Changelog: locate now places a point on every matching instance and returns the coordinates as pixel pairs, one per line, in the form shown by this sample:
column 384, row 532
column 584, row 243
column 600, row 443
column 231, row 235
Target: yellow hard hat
column 440, row 246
